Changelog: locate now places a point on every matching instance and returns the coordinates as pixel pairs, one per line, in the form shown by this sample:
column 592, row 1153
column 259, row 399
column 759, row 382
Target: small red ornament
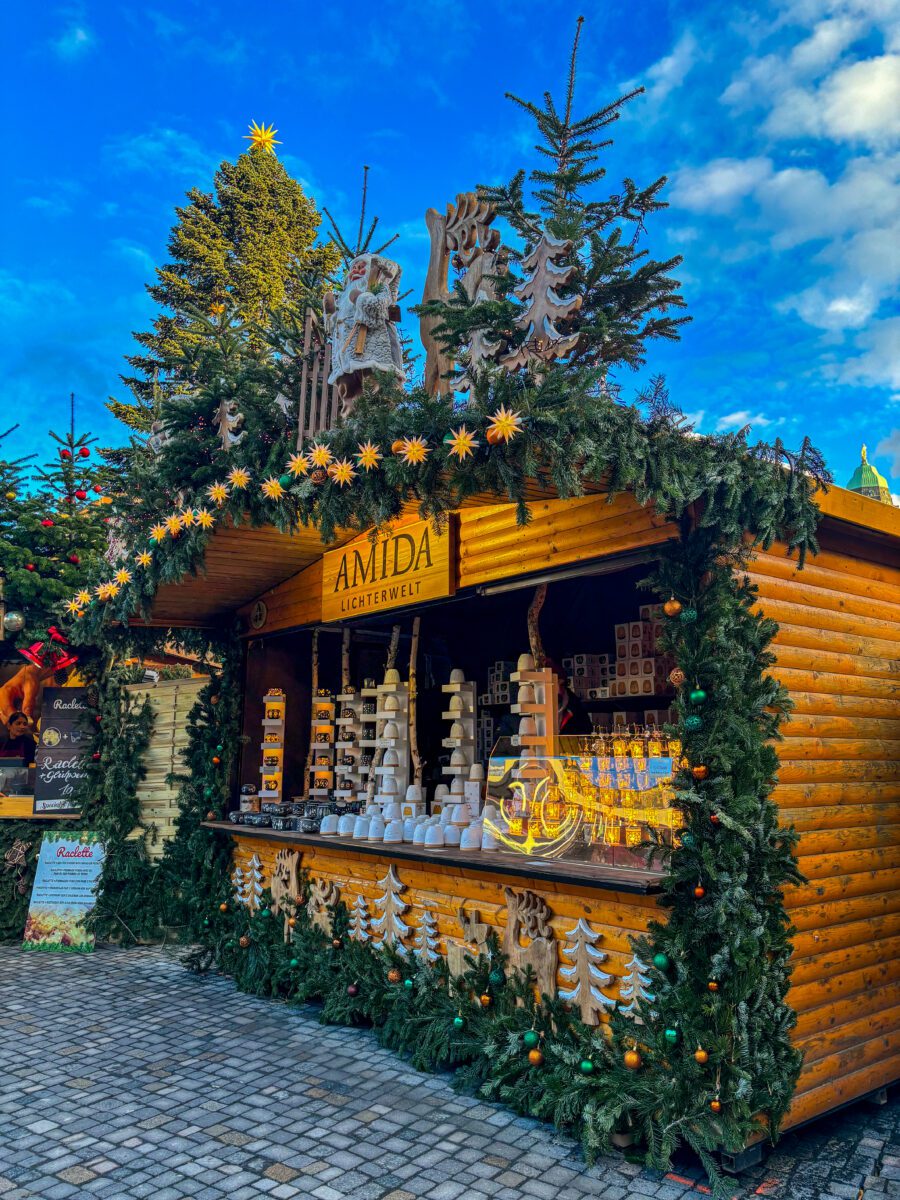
column 700, row 772
column 74, row 560
column 46, row 522
column 98, row 489
column 83, row 452
column 96, row 756
column 699, row 892
column 352, row 989
column 30, row 567
column 715, row 819
column 716, row 1105
column 70, row 500
column 216, row 760
column 65, row 454
column 81, row 494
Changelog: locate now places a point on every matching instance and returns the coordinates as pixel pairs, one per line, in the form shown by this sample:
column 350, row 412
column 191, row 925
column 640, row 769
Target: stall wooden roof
column 244, row 562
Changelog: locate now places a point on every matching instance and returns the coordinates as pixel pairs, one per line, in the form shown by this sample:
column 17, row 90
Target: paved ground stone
column 175, row 1087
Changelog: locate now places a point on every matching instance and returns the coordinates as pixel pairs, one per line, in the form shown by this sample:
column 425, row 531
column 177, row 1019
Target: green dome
column 868, row 479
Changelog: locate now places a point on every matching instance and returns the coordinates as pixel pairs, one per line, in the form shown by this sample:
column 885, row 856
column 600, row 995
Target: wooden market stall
column 837, row 651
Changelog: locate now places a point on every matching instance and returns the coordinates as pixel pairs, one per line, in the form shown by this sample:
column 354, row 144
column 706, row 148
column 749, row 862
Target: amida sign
column 407, row 566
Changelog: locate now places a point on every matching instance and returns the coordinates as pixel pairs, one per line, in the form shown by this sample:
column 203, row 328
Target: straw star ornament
column 158, row 532
column 187, row 517
column 205, row 519
column 414, row 451
column 173, row 525
column 272, row 488
column 238, row 477
column 319, row 455
column 342, row 472
column 83, row 598
column 504, row 425
column 298, row 464
column 368, row 455
column 462, row 443
column 262, row 137
column 123, row 575
column 144, row 559
column 217, row 492
column 73, row 608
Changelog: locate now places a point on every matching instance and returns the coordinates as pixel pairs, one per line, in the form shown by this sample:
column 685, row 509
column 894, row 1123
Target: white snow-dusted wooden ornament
column 228, row 421
column 361, row 325
column 527, row 915
column 544, row 306
column 285, row 887
column 248, row 884
column 635, row 987
column 583, row 974
column 425, row 941
column 359, row 920
column 475, row 931
column 323, row 894
column 392, row 905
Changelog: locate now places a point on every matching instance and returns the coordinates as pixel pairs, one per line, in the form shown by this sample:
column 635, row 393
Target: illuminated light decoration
column 83, row 598
column 461, row 443
column 218, row 493
column 123, row 575
column 504, row 425
column 216, row 310
column 158, row 532
column 144, row 559
column 415, row 450
column 368, row 455
column 272, row 488
column 101, row 591
column 262, row 137
column 238, row 477
column 341, row 472
column 73, row 608
column 173, row 525
column 205, row 519
column 113, row 589
column 297, row 465
column 105, row 500
column 319, row 455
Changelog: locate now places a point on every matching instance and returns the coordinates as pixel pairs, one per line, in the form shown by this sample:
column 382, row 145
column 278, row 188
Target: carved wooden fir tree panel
column 543, row 305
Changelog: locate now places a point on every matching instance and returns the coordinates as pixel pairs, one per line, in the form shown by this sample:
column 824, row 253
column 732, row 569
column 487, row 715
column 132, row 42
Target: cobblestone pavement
column 122, row 1075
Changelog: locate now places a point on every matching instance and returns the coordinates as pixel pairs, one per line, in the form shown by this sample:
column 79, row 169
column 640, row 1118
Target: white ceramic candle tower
column 272, row 769
column 322, row 726
column 393, row 737
column 347, row 745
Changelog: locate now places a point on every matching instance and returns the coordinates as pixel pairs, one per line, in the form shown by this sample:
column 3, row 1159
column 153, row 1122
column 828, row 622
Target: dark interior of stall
column 471, row 632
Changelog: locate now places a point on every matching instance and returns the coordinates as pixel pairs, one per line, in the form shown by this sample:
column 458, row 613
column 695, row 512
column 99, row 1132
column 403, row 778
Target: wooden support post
column 413, row 694
column 534, row 629
column 345, row 660
column 313, row 687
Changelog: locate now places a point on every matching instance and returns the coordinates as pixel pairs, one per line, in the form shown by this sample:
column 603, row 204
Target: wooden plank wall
column 838, row 652
column 172, row 700
column 615, row 915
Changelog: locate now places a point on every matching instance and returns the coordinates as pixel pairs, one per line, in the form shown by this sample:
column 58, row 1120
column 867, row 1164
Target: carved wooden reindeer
column 528, row 915
column 322, row 895
column 475, row 931
column 286, row 886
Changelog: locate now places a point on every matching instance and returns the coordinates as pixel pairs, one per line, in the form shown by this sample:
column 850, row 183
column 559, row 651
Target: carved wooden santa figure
column 361, row 327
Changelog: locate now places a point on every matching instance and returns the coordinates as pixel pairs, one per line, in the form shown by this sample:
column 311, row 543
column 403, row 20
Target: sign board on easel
column 68, row 868
column 60, row 758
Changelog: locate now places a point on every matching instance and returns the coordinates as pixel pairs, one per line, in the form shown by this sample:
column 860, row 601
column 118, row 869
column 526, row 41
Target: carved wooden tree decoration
column 286, row 886
column 462, row 236
column 322, row 895
column 359, row 920
column 528, row 915
column 390, row 924
column 228, row 422
column 425, row 942
column 475, row 931
column 544, row 306
column 248, row 884
column 635, row 987
column 584, row 976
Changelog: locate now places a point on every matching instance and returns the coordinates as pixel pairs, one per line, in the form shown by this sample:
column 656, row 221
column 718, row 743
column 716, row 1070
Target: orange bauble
column 244, row 942
column 493, row 436
column 699, row 892
column 714, row 819
column 292, row 921
column 716, row 1105
column 484, row 1000
column 701, row 1056
column 393, row 975
column 631, row 1059
column 336, row 943
column 672, row 607
column 216, row 760
column 700, row 772
column 535, row 1057
column 397, row 447
column 210, row 816
column 223, row 908
column 712, row 986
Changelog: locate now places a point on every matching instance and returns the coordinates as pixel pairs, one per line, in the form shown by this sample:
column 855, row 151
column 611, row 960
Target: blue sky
column 777, row 125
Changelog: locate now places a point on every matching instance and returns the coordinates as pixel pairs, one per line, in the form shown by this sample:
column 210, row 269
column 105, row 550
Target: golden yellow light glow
column 319, row 455
column 262, row 137
column 83, row 598
column 187, row 517
column 505, row 424
column 414, row 451
column 342, row 471
column 368, row 455
column 158, row 532
column 123, row 575
column 205, row 519
column 218, row 493
column 463, row 443
column 144, row 559
column 73, row 608
column 298, row 464
column 173, row 525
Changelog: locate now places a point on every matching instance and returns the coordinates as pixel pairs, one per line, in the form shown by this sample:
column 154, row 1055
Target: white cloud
column 743, row 416
column 75, row 40
column 890, row 446
column 857, row 103
column 167, row 150
column 879, row 361
column 835, row 312
column 720, row 185
column 827, row 42
column 671, row 71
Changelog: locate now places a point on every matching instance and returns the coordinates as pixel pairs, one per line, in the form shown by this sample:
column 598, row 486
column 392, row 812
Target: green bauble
column 265, row 912
column 496, row 977
column 692, row 724
column 285, row 481
column 661, row 961
column 408, row 984
column 687, row 839
column 688, row 615
column 219, row 749
column 698, row 695
column 531, row 1038
column 207, row 791
column 671, row 1036
column 459, row 1022
column 448, row 438
column 206, row 920
column 295, row 962
column 586, row 1067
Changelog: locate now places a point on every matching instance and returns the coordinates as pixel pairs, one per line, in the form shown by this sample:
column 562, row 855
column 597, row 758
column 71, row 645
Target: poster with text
column 68, row 868
column 60, row 758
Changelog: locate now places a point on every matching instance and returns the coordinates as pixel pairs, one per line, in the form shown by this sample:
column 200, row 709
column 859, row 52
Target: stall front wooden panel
column 443, row 889
column 838, row 653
